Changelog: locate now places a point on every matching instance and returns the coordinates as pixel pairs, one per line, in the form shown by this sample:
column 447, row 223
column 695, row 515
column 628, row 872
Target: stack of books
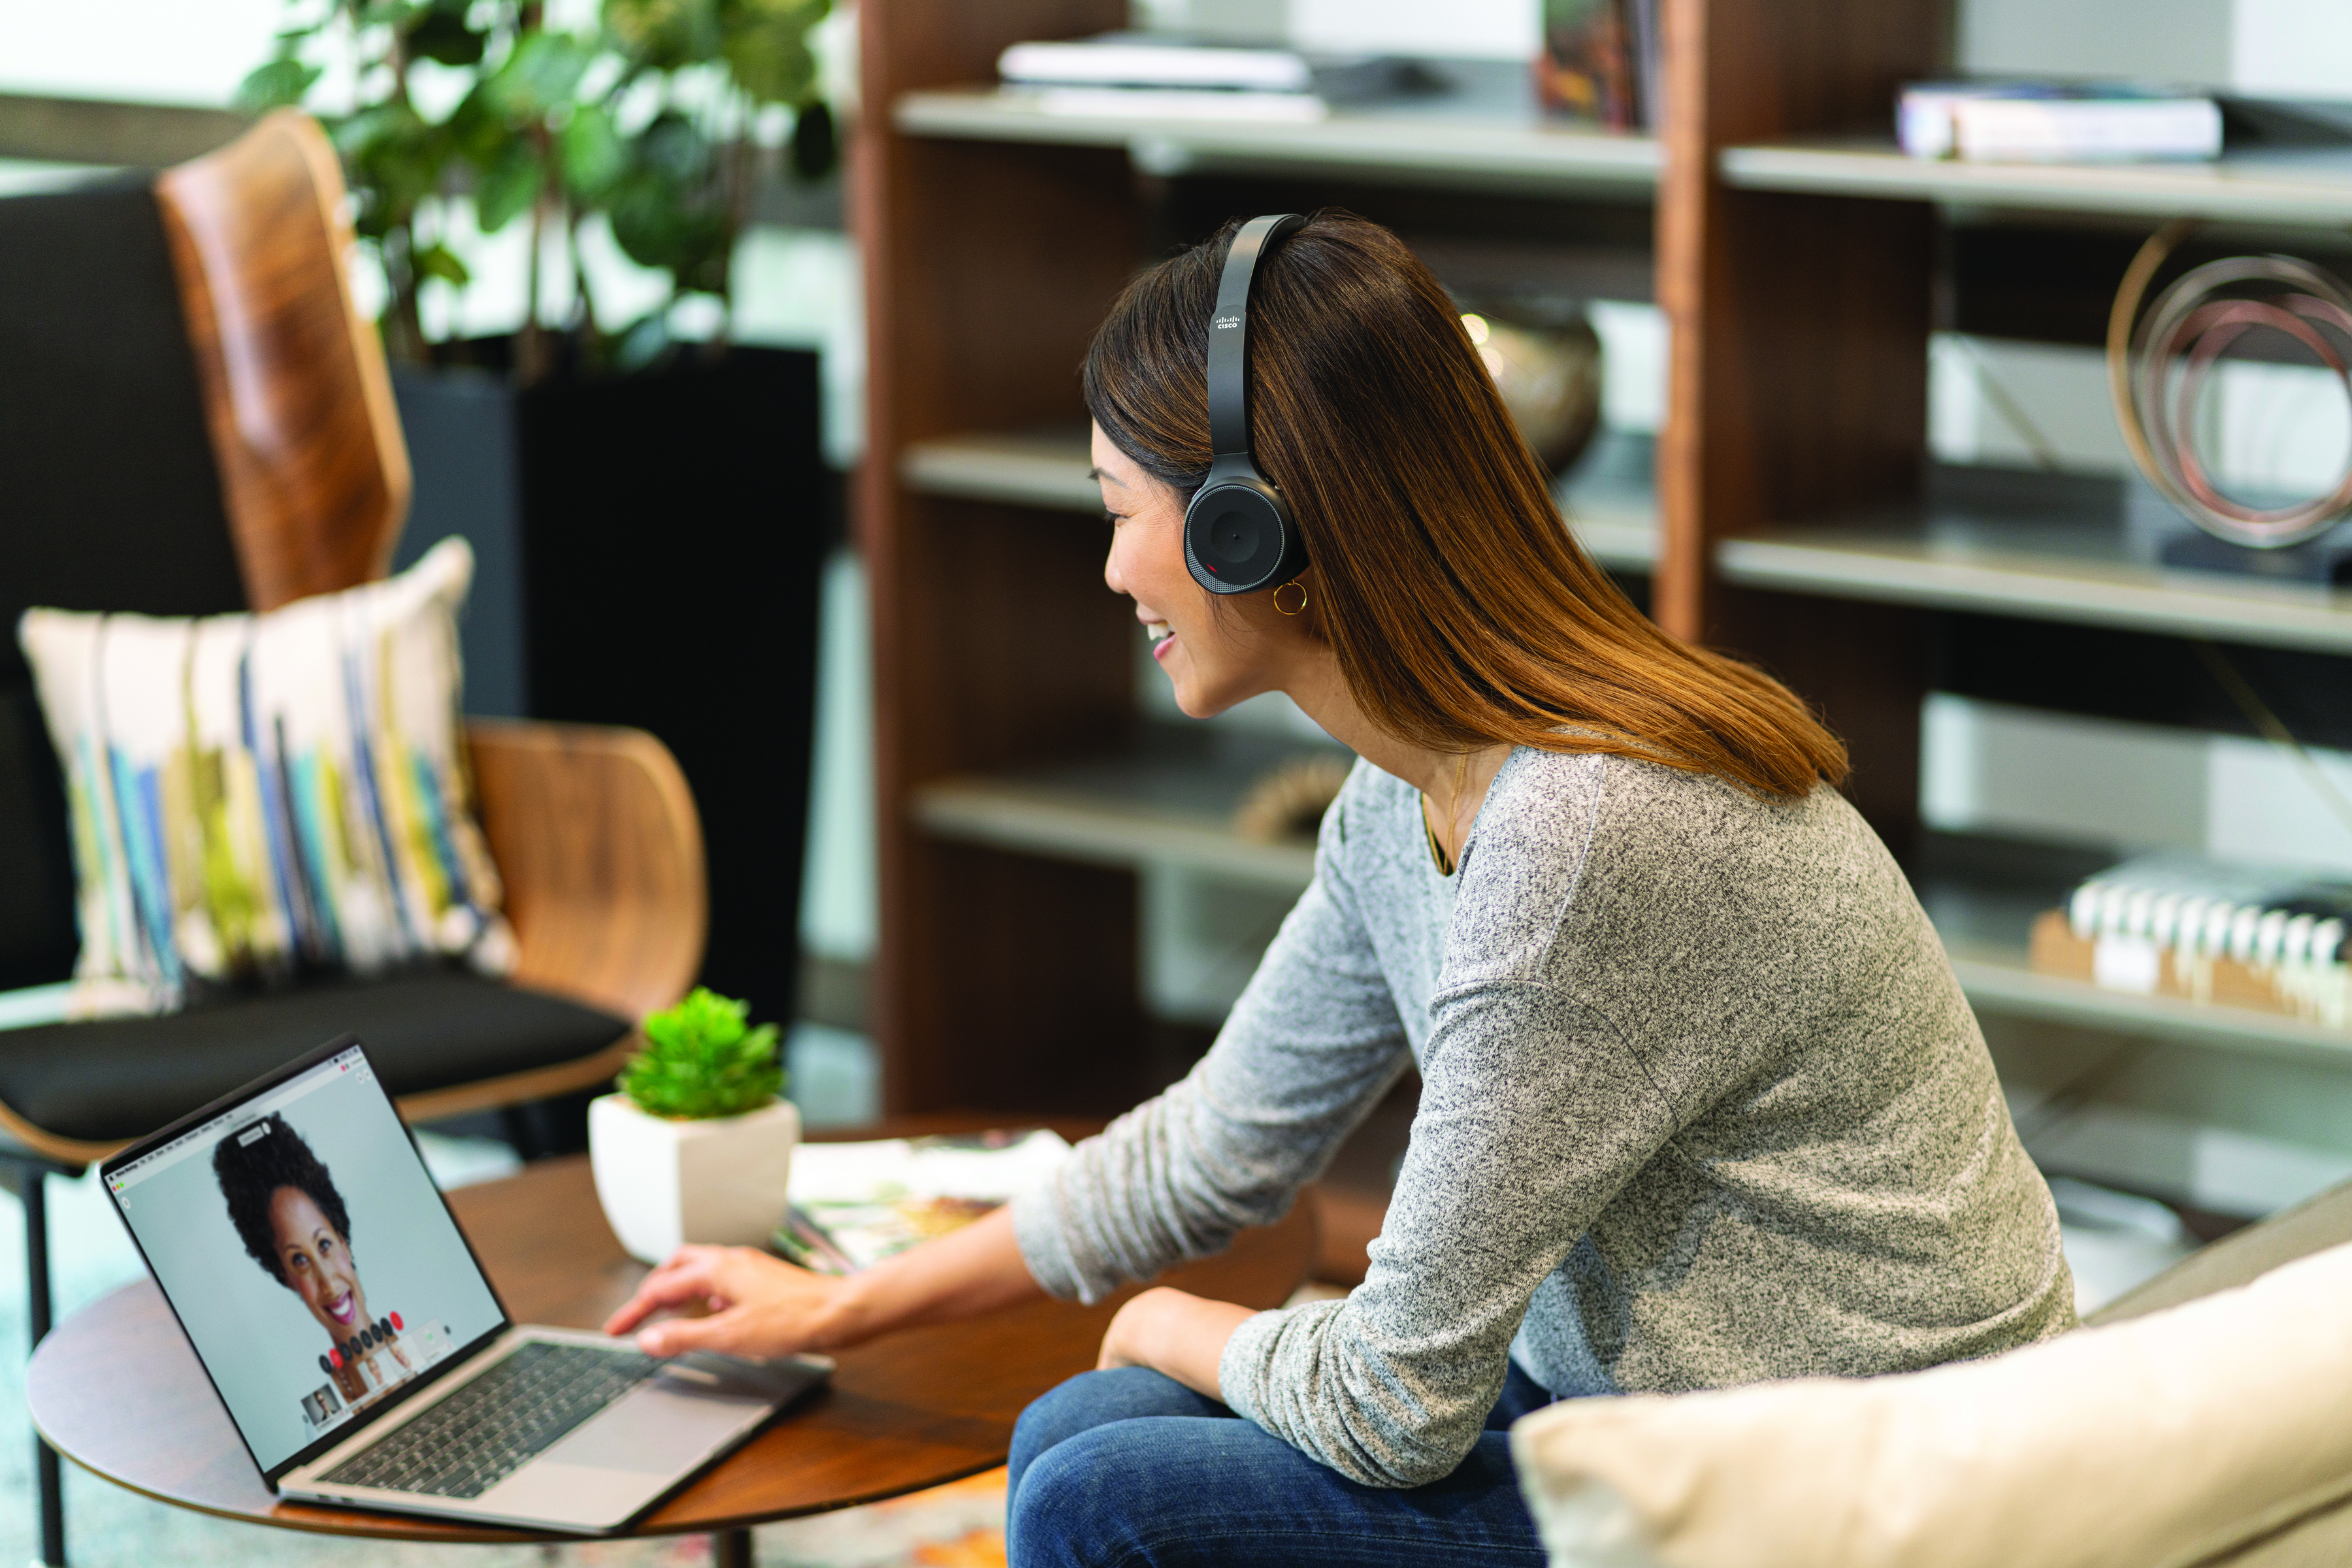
column 2207, row 931
column 2044, row 122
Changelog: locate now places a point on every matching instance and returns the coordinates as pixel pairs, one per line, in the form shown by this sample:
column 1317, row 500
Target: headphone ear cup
column 1239, row 538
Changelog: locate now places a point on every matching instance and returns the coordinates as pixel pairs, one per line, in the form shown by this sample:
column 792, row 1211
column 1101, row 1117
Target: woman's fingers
column 691, row 1275
column 758, row 1305
column 730, row 1331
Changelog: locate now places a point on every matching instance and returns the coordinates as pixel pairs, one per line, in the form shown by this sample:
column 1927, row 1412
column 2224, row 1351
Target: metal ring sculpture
column 2158, row 370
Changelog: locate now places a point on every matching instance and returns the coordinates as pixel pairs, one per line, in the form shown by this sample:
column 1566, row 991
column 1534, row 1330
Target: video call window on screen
column 307, row 1253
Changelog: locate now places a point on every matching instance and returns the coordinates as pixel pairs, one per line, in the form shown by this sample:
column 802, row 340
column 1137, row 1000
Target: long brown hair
column 1462, row 611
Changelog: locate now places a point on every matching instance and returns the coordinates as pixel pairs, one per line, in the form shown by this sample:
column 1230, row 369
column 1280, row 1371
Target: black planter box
column 648, row 552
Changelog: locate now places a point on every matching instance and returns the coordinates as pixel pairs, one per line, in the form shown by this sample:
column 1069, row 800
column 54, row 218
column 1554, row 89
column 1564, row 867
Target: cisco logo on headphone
column 1222, row 322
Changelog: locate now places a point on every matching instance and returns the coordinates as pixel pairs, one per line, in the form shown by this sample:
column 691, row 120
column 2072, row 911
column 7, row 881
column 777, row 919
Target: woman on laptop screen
column 1701, row 1102
column 294, row 1223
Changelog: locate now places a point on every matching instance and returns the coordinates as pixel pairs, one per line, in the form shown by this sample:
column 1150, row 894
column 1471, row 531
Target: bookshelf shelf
column 1410, row 143
column 1103, row 830
column 1608, row 498
column 1045, row 468
column 1983, row 895
column 1167, row 803
column 1999, row 981
column 2301, row 186
column 2038, row 548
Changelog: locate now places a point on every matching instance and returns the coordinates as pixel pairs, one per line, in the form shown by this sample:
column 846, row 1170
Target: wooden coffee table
column 115, row 1389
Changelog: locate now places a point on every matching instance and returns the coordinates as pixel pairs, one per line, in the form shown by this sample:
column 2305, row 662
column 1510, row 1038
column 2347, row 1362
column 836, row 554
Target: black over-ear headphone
column 1238, row 535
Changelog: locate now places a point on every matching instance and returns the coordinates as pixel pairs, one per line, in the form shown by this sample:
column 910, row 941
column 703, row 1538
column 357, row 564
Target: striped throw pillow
column 259, row 797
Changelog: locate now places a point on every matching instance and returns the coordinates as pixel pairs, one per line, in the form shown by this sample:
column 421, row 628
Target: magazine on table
column 854, row 1205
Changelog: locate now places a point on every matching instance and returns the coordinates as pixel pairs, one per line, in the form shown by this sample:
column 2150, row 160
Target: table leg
column 731, row 1549
column 31, row 1184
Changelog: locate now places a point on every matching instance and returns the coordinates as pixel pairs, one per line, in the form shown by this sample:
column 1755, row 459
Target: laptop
column 359, row 1349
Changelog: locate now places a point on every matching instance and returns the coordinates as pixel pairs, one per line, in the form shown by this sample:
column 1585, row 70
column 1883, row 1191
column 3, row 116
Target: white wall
column 153, row 51
column 2293, row 48
column 837, row 890
column 2184, row 40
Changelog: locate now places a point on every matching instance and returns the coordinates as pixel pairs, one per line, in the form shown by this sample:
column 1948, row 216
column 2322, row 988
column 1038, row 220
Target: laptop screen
column 307, row 1252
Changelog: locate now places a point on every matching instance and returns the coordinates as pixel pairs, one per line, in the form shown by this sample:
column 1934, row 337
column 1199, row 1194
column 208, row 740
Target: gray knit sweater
column 1701, row 1104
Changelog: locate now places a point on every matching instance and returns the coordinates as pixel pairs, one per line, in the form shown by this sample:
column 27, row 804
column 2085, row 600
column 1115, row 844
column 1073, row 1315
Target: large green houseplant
column 660, row 117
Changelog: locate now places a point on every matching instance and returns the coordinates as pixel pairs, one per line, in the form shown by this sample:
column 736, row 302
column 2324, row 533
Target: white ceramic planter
column 664, row 1183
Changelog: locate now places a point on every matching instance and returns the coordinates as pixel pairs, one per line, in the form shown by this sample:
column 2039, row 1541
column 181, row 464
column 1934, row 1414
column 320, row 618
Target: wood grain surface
column 988, row 267
column 116, row 1388
column 1798, row 378
column 595, row 833
column 314, row 472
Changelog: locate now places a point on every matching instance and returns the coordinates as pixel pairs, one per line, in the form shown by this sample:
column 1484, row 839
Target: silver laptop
column 359, row 1349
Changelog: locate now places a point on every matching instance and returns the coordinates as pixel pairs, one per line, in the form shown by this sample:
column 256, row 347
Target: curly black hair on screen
column 251, row 1173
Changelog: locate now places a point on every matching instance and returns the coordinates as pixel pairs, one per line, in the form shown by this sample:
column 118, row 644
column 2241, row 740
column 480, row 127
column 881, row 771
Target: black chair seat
column 123, row 1078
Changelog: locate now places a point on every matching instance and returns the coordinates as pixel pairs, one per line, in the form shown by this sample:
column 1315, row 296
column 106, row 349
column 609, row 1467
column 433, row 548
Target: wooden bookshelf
column 995, row 234
column 1791, row 516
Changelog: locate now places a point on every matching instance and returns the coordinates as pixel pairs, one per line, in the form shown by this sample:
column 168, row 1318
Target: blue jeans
column 1118, row 1469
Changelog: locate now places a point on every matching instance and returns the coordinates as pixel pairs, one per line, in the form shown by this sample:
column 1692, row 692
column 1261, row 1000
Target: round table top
column 116, row 1389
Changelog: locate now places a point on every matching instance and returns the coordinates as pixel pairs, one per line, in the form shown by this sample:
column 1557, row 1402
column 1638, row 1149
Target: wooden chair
column 195, row 418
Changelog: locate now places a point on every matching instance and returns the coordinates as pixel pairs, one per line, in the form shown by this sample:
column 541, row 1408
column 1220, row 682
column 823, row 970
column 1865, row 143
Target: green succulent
column 702, row 1060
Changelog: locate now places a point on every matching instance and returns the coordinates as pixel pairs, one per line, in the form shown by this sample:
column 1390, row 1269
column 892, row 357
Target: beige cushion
column 2154, row 1442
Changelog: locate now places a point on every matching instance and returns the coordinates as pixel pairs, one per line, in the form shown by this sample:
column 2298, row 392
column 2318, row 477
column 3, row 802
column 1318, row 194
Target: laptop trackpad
column 655, row 1430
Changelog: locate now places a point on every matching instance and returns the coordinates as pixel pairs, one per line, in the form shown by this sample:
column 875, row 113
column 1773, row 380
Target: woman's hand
column 1173, row 1332
column 762, row 1306
column 758, row 1305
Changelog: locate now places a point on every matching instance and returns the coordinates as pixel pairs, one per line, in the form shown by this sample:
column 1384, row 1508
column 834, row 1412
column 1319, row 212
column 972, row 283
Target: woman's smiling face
column 1215, row 655
column 316, row 1264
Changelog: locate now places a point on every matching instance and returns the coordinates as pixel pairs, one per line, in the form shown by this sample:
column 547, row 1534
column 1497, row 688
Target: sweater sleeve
column 1533, row 1114
column 1311, row 1046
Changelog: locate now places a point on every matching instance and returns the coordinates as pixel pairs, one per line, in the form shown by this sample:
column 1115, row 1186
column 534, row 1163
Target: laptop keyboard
column 486, row 1431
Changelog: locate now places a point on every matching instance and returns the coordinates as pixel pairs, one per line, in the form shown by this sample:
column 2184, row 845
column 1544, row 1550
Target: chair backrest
column 194, row 420
column 312, row 466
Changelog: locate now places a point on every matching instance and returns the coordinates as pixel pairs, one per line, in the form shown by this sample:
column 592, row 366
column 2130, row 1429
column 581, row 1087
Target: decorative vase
column 1546, row 361
column 664, row 1182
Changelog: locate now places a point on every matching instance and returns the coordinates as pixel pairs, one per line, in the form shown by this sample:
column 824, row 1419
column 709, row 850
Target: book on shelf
column 1146, row 60
column 2240, row 935
column 854, row 1205
column 1600, row 62
column 2056, row 121
column 1173, row 76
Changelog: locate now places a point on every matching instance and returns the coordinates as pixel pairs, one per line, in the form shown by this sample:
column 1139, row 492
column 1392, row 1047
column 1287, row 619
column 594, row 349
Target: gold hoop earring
column 1294, row 583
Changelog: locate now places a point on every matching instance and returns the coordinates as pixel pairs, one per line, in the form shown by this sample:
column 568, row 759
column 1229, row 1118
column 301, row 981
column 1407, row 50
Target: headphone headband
column 1238, row 535
column 1229, row 334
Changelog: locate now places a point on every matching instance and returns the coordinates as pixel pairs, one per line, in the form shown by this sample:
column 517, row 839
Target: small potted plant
column 697, row 1144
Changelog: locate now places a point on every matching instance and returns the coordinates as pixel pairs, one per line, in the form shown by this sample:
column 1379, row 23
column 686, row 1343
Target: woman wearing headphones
column 1702, row 1102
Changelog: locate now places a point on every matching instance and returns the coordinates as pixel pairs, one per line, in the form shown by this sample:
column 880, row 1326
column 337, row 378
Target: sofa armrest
column 596, row 834
column 2241, row 1257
